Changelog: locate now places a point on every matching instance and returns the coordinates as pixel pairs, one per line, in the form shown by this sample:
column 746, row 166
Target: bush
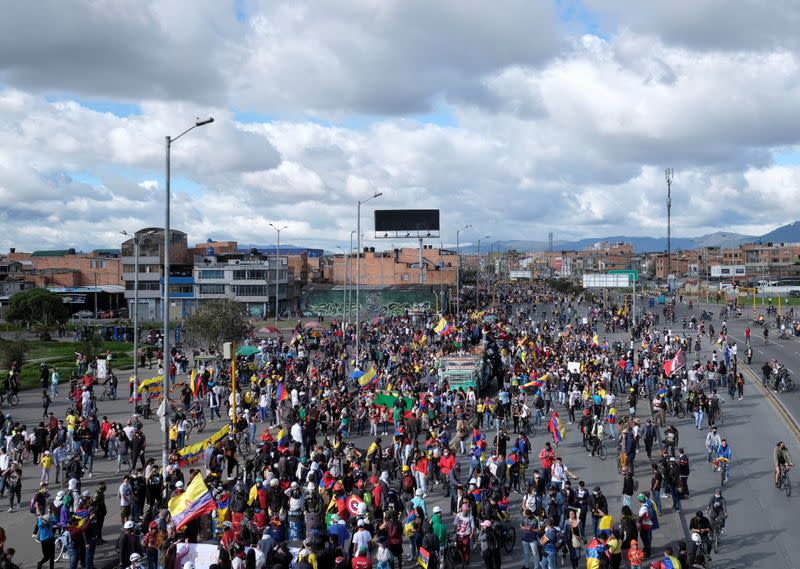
column 13, row 351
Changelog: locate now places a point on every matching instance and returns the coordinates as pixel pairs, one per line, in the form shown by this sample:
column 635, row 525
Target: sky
column 517, row 117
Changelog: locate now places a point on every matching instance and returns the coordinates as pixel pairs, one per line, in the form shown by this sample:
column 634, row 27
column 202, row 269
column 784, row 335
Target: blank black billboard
column 406, row 220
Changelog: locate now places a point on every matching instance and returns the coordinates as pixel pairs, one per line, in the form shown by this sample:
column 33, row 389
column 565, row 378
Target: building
column 68, row 268
column 151, row 272
column 397, row 267
column 249, row 278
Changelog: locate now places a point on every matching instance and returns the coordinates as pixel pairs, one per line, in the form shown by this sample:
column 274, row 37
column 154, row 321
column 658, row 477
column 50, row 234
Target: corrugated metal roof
column 50, row 253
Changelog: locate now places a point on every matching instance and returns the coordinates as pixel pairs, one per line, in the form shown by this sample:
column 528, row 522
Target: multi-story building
column 398, row 267
column 151, row 274
column 254, row 279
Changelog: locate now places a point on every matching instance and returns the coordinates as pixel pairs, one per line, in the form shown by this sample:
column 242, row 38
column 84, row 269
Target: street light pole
column 344, row 291
column 277, row 246
column 136, row 239
column 349, row 280
column 167, row 356
column 358, row 276
column 458, row 271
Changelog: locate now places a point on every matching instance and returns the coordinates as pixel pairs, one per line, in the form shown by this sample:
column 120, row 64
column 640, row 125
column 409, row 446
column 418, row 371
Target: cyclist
column 766, row 334
column 780, row 458
column 718, row 508
column 700, row 525
column 723, row 458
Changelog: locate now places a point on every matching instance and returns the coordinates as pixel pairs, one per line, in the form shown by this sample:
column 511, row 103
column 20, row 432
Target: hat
column 273, row 482
column 361, row 523
column 179, row 484
column 641, row 497
column 227, row 524
column 486, row 523
column 153, row 525
column 128, row 525
column 419, row 492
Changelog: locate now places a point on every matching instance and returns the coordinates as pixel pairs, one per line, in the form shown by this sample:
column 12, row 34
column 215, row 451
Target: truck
column 462, row 372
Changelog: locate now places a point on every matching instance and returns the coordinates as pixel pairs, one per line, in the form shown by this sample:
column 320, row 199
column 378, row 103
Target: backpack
column 408, row 483
column 32, row 505
column 651, row 513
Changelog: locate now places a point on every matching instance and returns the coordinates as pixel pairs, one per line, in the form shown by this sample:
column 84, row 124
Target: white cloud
column 551, row 131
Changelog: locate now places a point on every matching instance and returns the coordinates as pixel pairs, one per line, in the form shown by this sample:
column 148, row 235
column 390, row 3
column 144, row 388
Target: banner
column 203, row 555
column 574, row 367
column 192, row 453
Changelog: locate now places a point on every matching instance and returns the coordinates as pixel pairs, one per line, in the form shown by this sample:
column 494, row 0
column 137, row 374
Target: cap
column 437, row 509
column 361, row 523
column 179, row 484
column 128, row 525
column 134, row 556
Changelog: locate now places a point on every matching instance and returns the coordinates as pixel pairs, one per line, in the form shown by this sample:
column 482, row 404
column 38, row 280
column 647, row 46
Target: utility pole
column 668, row 174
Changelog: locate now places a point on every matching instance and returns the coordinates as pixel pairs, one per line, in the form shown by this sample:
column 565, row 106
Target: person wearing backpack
column 549, row 543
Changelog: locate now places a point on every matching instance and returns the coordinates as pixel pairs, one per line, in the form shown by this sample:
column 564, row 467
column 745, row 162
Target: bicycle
column 452, row 554
column 716, row 531
column 61, row 545
column 196, row 420
column 784, row 481
column 12, row 398
column 507, row 536
column 107, row 394
column 679, row 409
column 723, row 464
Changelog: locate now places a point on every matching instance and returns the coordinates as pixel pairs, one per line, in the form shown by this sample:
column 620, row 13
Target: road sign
column 599, row 280
column 633, row 274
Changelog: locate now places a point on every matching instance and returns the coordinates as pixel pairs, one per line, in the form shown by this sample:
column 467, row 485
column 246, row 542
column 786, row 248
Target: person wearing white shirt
column 296, row 432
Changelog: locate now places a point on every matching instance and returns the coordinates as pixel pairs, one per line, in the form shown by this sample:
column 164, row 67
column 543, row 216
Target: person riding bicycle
column 465, row 526
column 700, row 526
column 766, row 334
column 780, row 458
column 722, row 458
column 717, row 509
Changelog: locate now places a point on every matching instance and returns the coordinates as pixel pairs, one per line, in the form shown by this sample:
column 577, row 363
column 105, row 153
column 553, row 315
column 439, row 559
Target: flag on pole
column 195, row 502
column 443, row 327
column 675, row 363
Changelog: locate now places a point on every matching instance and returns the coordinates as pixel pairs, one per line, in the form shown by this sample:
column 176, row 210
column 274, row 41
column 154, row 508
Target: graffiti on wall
column 373, row 302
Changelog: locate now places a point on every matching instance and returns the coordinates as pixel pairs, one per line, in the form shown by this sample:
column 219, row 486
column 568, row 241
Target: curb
column 785, row 414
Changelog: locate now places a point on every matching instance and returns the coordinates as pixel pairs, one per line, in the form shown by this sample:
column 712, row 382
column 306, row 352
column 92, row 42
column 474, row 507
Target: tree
column 215, row 322
column 38, row 307
column 12, row 351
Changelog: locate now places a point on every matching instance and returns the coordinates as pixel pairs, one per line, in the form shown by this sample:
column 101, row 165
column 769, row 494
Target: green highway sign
column 633, row 275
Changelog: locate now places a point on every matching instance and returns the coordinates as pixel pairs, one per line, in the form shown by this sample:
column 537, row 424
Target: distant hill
column 785, row 234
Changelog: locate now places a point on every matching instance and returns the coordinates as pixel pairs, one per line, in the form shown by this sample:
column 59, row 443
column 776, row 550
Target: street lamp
column 136, row 240
column 458, row 271
column 167, row 356
column 358, row 276
column 344, row 290
column 349, row 280
column 480, row 266
column 277, row 246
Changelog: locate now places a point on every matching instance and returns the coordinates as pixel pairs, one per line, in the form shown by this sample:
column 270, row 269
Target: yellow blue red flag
column 195, row 502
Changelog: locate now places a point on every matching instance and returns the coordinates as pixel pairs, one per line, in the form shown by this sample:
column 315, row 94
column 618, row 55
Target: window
column 250, row 290
column 250, row 275
column 212, row 274
column 212, row 289
column 181, row 289
column 144, row 285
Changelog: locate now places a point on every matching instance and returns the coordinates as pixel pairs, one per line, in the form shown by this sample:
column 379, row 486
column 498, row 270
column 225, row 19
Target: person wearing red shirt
column 105, row 428
column 446, row 464
column 547, row 456
column 361, row 561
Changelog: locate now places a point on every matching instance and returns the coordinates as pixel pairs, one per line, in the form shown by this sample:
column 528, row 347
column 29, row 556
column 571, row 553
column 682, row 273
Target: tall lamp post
column 167, row 356
column 478, row 278
column 349, row 280
column 277, row 247
column 136, row 240
column 344, row 291
column 458, row 270
column 358, row 275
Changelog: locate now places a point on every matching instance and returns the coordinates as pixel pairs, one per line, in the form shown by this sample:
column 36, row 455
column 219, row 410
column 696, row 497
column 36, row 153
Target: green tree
column 215, row 322
column 12, row 351
column 38, row 307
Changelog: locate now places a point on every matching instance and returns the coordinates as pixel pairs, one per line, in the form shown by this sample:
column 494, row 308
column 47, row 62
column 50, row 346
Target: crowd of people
column 393, row 467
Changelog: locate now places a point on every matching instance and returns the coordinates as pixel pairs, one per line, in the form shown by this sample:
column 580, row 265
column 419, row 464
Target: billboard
column 412, row 223
column 606, row 281
column 727, row 271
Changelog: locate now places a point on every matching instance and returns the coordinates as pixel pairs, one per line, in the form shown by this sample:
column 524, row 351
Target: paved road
column 761, row 532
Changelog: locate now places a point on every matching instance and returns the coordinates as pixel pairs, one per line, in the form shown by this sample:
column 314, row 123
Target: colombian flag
column 195, row 382
column 223, row 507
column 280, row 392
column 195, row 502
column 369, row 379
column 443, row 327
column 283, row 438
column 556, row 428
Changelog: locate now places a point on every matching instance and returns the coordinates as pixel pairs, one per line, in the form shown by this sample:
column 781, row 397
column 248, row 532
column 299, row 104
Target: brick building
column 397, row 267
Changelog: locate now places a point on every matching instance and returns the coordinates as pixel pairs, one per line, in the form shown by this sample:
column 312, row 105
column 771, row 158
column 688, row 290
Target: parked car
column 794, row 293
column 83, row 314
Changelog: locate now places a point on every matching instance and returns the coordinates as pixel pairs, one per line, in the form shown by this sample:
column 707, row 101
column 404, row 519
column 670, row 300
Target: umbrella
column 269, row 330
column 491, row 318
column 355, row 374
column 247, row 351
column 312, row 324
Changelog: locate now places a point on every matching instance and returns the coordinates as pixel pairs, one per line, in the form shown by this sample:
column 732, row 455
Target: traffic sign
column 633, row 274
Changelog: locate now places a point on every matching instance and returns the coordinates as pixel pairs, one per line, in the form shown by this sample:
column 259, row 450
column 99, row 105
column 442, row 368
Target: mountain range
column 789, row 233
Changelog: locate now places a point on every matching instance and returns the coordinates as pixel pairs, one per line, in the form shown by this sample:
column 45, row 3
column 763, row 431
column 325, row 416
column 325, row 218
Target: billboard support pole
column 421, row 264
